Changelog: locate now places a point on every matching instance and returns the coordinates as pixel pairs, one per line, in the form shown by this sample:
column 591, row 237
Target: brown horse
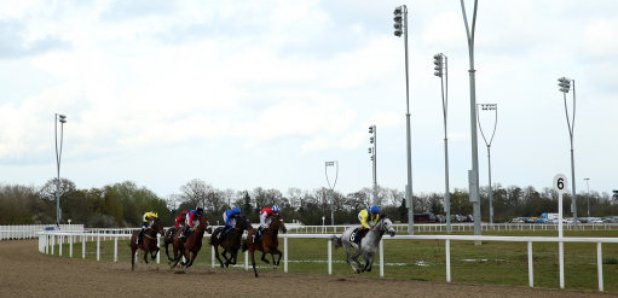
column 267, row 244
column 231, row 242
column 149, row 243
column 170, row 234
column 190, row 247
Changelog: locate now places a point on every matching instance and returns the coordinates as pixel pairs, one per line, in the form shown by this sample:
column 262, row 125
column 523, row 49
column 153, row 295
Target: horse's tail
column 337, row 241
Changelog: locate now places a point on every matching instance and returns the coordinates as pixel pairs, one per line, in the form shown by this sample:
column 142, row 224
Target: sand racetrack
column 27, row 273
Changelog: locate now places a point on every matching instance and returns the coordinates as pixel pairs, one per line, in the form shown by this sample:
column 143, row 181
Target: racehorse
column 231, row 242
column 368, row 245
column 266, row 244
column 190, row 247
column 170, row 234
column 149, row 242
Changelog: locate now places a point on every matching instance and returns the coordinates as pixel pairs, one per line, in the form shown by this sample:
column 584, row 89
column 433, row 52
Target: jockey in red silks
column 180, row 219
column 266, row 216
column 192, row 220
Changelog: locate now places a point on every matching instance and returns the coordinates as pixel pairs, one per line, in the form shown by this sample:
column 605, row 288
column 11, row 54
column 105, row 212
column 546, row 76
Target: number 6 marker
column 560, row 184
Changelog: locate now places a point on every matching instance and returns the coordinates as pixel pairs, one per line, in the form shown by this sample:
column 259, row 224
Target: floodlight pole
column 489, row 107
column 401, row 28
column 588, row 187
column 332, row 194
column 565, row 86
column 441, row 71
column 58, row 118
column 473, row 174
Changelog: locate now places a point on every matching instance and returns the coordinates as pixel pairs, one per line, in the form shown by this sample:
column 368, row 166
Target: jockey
column 266, row 216
column 368, row 218
column 180, row 219
column 148, row 219
column 192, row 220
column 229, row 218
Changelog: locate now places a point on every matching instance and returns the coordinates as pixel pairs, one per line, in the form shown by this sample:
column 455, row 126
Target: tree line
column 122, row 204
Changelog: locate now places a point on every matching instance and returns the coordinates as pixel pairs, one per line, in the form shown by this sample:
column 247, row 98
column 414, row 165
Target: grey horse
column 368, row 246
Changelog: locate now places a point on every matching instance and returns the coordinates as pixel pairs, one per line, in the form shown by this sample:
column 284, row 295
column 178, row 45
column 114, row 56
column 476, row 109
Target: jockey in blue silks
column 229, row 218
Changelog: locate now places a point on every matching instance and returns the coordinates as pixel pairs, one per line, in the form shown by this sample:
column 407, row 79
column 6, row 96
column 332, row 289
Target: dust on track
column 24, row 272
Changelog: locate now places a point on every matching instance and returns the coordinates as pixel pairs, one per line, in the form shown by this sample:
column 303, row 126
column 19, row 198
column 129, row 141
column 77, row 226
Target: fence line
column 19, row 232
column 30, row 231
column 49, row 239
column 465, row 227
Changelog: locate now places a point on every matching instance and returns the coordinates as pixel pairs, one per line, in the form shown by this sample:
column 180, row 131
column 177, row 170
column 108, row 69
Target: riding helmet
column 375, row 209
column 275, row 208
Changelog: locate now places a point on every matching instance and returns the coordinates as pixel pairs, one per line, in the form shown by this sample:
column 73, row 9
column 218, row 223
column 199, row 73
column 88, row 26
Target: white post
column 159, row 247
column 246, row 260
column 83, row 246
column 560, row 232
column 561, row 261
column 60, row 242
column 98, row 246
column 530, row 266
column 212, row 256
column 53, row 244
column 330, row 257
column 71, row 246
column 447, row 248
column 600, row 265
column 381, row 258
column 116, row 249
column 560, row 244
column 285, row 254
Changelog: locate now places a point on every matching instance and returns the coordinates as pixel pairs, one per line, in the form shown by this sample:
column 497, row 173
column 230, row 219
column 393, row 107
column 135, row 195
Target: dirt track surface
column 27, row 273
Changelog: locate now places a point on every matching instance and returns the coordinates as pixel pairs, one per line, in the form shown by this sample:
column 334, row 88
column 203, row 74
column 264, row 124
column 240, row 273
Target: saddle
column 357, row 235
column 220, row 232
column 258, row 235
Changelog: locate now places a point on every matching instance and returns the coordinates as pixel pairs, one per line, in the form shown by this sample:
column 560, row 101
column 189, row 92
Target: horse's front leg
column 277, row 252
column 368, row 262
column 217, row 256
column 264, row 253
column 153, row 254
column 227, row 260
column 356, row 262
column 145, row 255
column 191, row 258
column 234, row 255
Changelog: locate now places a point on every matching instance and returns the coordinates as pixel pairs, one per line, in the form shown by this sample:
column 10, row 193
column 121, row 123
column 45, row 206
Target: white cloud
column 303, row 75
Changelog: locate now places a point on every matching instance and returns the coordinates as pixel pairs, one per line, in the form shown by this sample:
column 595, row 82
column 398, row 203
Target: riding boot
column 258, row 235
column 140, row 237
column 183, row 234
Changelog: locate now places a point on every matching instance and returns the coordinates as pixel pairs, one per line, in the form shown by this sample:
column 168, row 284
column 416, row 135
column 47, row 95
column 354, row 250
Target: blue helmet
column 236, row 210
column 275, row 208
column 375, row 209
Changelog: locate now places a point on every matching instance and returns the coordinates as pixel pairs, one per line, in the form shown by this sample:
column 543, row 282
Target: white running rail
column 50, row 239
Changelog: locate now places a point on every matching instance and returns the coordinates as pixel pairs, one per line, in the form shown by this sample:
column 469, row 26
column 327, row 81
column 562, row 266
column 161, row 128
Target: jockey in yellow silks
column 368, row 219
column 148, row 219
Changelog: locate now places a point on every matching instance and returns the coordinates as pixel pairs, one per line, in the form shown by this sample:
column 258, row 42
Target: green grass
column 501, row 263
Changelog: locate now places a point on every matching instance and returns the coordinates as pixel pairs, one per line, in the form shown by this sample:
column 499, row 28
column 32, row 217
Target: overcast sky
column 244, row 94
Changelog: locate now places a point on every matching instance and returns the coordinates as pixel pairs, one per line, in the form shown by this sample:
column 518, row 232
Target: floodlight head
column 489, row 106
column 564, row 84
column 62, row 118
column 398, row 18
